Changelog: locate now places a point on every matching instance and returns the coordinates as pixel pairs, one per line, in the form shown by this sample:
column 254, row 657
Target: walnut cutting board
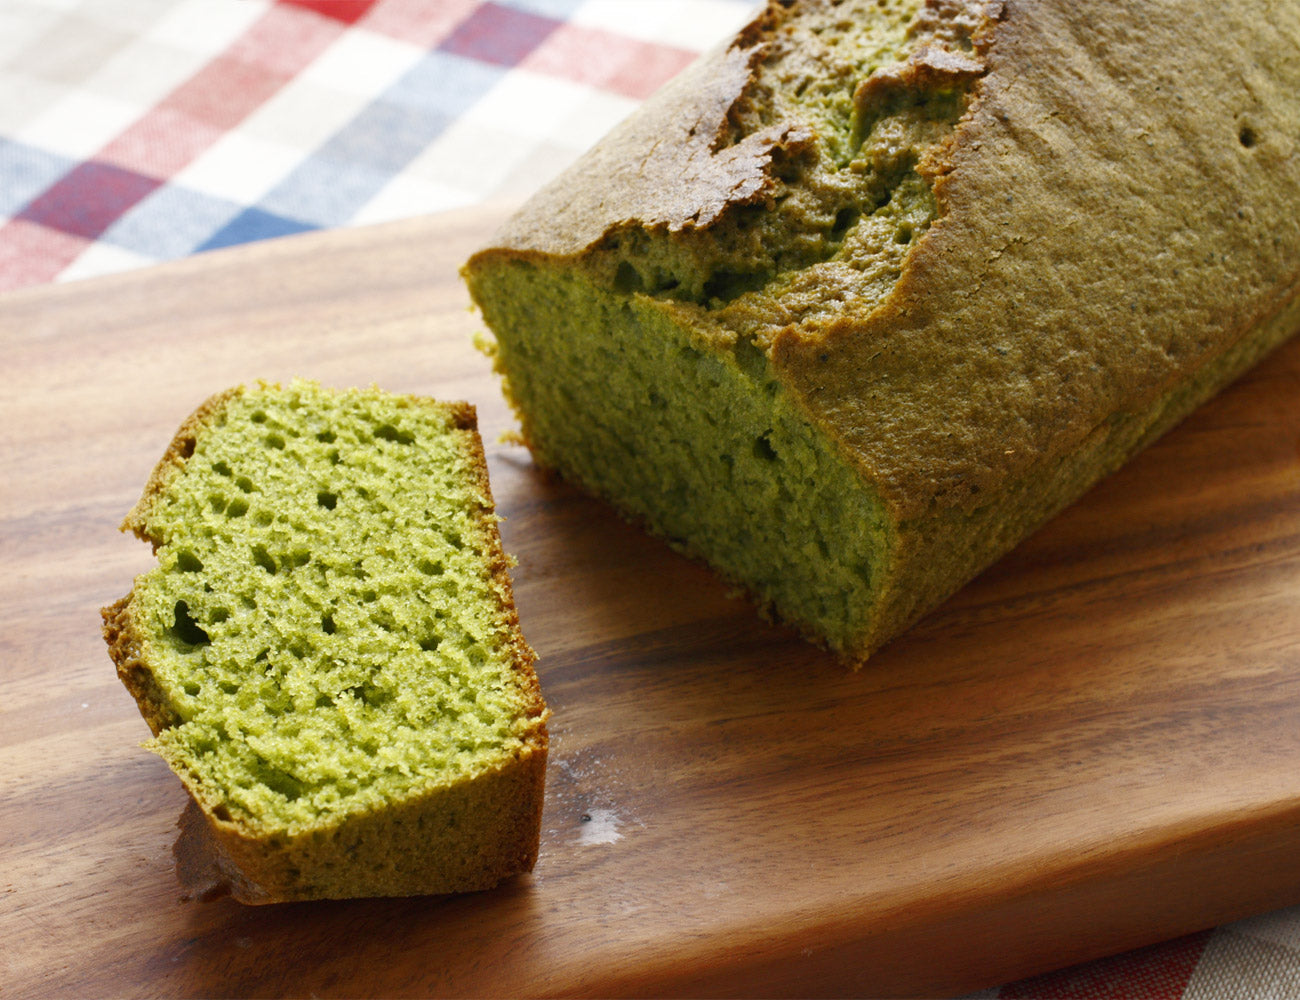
column 1094, row 746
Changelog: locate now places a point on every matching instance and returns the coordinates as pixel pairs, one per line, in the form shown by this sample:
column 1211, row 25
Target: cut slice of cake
column 328, row 651
column 864, row 297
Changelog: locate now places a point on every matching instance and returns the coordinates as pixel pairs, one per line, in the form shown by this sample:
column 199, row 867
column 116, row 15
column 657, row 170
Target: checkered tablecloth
column 136, row 131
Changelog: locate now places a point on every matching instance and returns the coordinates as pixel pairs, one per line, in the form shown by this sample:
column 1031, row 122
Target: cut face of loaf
column 865, row 296
column 328, row 653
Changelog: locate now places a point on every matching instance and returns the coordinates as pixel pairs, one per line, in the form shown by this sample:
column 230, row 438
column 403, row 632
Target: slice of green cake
column 328, row 651
column 866, row 295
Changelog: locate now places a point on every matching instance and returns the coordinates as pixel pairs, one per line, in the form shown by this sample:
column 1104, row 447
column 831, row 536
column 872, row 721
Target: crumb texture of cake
column 328, row 652
column 868, row 294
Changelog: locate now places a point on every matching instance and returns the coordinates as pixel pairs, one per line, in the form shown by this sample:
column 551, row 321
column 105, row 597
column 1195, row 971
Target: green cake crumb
column 867, row 294
column 329, row 632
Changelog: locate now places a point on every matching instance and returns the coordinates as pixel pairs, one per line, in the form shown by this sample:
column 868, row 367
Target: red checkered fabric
column 137, row 132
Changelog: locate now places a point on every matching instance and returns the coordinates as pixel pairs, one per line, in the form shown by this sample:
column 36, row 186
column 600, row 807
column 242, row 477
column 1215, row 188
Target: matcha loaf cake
column 870, row 292
column 327, row 650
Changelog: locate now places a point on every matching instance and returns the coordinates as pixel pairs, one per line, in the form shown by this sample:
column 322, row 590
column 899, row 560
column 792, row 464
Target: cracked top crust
column 661, row 167
column 1114, row 201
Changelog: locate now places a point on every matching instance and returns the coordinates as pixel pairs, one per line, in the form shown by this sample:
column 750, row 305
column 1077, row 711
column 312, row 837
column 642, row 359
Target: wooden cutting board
column 1094, row 746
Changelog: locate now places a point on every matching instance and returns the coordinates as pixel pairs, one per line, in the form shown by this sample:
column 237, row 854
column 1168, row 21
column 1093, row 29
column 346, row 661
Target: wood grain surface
column 1092, row 747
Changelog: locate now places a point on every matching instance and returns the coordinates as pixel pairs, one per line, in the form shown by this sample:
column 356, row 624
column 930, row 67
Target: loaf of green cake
column 328, row 652
column 869, row 293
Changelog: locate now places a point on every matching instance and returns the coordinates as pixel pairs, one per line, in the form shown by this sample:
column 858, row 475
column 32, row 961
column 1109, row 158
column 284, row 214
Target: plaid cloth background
column 136, row 131
column 133, row 131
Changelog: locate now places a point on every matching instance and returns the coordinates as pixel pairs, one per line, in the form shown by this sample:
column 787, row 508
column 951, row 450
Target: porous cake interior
column 640, row 369
column 700, row 445
column 323, row 625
